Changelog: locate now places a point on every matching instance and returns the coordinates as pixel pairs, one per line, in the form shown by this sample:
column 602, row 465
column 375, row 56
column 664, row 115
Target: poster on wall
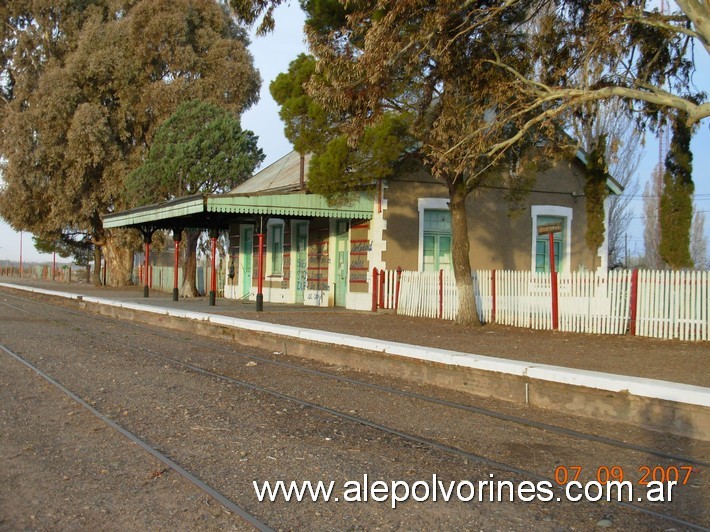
column 360, row 247
column 318, row 266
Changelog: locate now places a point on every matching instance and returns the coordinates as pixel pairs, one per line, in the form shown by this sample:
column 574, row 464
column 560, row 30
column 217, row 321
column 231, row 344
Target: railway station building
column 313, row 253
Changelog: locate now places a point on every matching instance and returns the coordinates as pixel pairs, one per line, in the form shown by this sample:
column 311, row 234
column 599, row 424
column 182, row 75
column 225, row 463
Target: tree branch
column 699, row 14
column 569, row 98
column 659, row 23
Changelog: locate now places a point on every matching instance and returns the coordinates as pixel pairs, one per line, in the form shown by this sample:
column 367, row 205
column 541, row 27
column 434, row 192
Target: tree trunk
column 120, row 263
column 467, row 314
column 189, row 282
column 96, row 274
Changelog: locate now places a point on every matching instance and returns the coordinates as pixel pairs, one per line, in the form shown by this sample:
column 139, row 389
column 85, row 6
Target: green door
column 341, row 262
column 301, row 259
column 246, row 252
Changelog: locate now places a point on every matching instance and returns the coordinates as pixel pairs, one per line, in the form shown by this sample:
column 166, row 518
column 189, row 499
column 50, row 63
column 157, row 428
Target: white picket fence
column 162, row 277
column 388, row 289
column 420, row 295
column 673, row 305
column 667, row 304
column 589, row 302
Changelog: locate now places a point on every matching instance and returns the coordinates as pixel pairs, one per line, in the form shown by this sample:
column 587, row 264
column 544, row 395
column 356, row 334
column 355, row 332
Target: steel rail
column 197, row 482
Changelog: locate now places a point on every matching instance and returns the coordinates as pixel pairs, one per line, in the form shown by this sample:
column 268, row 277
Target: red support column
column 146, row 270
column 260, row 281
column 633, row 301
column 493, row 296
column 441, row 294
column 553, row 282
column 177, row 236
column 375, row 288
column 213, row 263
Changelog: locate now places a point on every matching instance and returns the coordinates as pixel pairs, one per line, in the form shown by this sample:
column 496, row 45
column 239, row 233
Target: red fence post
column 146, row 267
column 441, row 294
column 213, row 266
column 375, row 288
column 493, row 296
column 260, row 267
column 396, row 290
column 555, row 303
column 633, row 301
column 553, row 281
column 382, row 289
column 177, row 236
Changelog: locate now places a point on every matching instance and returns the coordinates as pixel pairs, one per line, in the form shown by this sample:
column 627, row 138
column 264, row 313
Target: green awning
column 156, row 214
column 206, row 211
column 301, row 205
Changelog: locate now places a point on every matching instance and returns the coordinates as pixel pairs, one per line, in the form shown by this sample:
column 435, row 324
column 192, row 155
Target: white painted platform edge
column 637, row 386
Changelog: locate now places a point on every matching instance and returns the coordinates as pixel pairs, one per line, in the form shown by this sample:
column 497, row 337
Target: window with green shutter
column 542, row 245
column 276, row 248
column 436, row 243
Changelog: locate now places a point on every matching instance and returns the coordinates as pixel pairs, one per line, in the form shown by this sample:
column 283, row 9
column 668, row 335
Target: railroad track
column 228, row 504
column 282, row 365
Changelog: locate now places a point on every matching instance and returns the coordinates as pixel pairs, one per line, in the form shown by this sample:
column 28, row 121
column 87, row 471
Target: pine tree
column 676, row 209
column 200, row 149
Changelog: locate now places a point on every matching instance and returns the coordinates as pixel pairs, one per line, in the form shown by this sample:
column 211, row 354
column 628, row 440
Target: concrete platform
column 664, row 406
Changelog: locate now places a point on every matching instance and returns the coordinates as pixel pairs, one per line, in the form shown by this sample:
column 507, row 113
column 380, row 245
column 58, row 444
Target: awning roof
column 219, row 210
column 154, row 214
column 306, row 205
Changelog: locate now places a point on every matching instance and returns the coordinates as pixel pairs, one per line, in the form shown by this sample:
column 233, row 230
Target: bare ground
column 62, row 469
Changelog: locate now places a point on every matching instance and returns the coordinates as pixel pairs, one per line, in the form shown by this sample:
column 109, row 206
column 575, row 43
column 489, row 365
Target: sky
column 272, row 55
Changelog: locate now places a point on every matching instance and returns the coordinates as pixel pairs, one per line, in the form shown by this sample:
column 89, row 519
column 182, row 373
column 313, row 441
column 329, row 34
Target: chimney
column 302, row 177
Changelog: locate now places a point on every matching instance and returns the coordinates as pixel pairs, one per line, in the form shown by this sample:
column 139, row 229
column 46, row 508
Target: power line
column 643, row 217
column 700, row 197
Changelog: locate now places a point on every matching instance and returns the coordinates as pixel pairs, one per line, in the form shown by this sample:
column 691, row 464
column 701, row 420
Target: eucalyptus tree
column 392, row 73
column 480, row 78
column 86, row 84
column 639, row 54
